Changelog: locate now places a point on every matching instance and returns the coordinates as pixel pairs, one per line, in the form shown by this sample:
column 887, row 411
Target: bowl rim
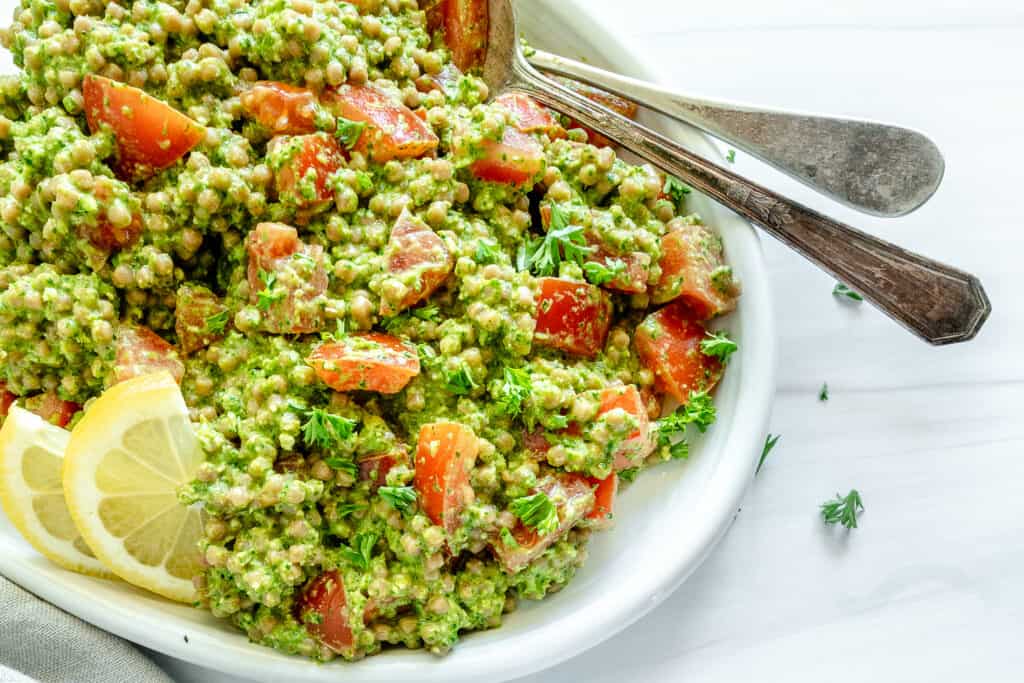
column 552, row 642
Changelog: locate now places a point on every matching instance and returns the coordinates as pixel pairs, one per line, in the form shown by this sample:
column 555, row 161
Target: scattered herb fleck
column 360, row 551
column 841, row 290
column 217, row 323
column 843, row 510
column 603, row 273
column 718, row 345
column 348, row 132
column 515, row 388
column 537, row 512
column 823, row 392
column 401, row 498
column 769, row 444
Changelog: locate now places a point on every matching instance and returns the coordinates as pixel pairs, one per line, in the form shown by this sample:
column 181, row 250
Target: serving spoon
column 877, row 168
column 938, row 303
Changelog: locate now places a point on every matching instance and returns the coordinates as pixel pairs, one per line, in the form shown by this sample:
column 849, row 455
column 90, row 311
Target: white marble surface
column 931, row 586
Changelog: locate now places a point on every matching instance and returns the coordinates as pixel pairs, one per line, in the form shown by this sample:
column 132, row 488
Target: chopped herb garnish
column 562, row 241
column 730, row 156
column 216, row 323
column 339, row 332
column 769, row 444
column 680, row 450
column 459, row 381
column 429, row 313
column 324, row 430
column 823, row 392
column 485, row 252
column 537, row 512
column 514, row 390
column 346, row 465
column 699, row 411
column 601, row 273
column 676, row 190
column 360, row 551
column 841, row 290
column 507, row 539
column 348, row 132
column 718, row 345
column 629, row 474
column 346, row 509
column 401, row 498
column 266, row 296
column 843, row 510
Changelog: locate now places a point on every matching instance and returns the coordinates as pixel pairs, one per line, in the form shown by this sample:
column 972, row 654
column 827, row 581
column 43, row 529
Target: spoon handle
column 873, row 167
column 939, row 303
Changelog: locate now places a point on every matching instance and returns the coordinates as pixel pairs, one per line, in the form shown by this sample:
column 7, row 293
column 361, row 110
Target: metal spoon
column 873, row 167
column 940, row 304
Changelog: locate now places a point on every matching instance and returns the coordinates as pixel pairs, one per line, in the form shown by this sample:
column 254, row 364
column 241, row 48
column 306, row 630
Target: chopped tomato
column 445, row 455
column 393, row 131
column 573, row 500
column 6, row 399
column 605, row 491
column 302, row 179
column 281, row 108
column 617, row 104
column 466, row 24
column 639, row 444
column 53, row 408
column 149, row 134
column 692, row 269
column 418, row 258
column 323, row 610
column 529, row 115
column 141, row 351
column 375, row 468
column 517, row 160
column 572, row 316
column 668, row 343
column 199, row 318
column 366, row 362
column 289, row 305
column 635, row 268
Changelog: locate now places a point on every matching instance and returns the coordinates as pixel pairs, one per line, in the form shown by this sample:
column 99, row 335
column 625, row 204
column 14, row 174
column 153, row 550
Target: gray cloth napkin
column 39, row 642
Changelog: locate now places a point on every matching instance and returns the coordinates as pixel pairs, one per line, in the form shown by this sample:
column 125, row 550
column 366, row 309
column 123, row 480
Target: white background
column 931, row 587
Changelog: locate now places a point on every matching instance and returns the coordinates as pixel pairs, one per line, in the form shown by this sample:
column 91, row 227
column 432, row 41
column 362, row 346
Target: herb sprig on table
column 843, row 510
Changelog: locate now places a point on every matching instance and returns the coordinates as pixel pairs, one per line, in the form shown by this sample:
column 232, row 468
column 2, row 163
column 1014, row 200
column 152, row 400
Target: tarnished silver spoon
column 877, row 168
column 939, row 303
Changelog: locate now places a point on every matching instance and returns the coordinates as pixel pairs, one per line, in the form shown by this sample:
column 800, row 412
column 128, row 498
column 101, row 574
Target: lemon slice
column 122, row 468
column 31, row 454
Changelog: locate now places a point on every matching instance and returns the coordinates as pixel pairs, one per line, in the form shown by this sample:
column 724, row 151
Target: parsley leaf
column 629, row 474
column 266, row 296
column 718, row 345
column 769, row 444
column 360, row 551
column 676, row 189
column 823, row 393
column 485, row 252
column 562, row 240
column 348, row 132
column 515, row 388
column 601, row 273
column 843, row 510
column 680, row 450
column 699, row 411
column 324, row 430
column 841, row 290
column 401, row 498
column 345, row 465
column 730, row 156
column 346, row 509
column 216, row 323
column 507, row 539
column 429, row 313
column 460, row 381
column 339, row 332
column 537, row 512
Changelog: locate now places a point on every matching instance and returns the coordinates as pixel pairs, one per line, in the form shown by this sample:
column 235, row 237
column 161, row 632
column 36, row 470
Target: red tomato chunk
column 418, row 263
column 52, row 408
column 297, row 275
column 141, row 351
column 199, row 318
column 517, row 160
column 639, row 444
column 605, row 491
column 572, row 316
column 445, row 455
column 393, row 131
column 528, row 115
column 668, row 343
column 150, row 135
column 366, row 362
column 281, row 108
column 323, row 610
column 302, row 180
column 693, row 269
column 466, row 23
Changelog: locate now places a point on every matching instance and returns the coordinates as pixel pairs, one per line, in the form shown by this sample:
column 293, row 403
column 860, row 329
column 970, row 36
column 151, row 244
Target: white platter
column 666, row 524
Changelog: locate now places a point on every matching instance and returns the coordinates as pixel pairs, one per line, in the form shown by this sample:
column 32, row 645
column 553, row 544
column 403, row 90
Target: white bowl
column 667, row 522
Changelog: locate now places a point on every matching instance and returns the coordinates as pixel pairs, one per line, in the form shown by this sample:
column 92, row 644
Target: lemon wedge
column 31, row 454
column 122, row 468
